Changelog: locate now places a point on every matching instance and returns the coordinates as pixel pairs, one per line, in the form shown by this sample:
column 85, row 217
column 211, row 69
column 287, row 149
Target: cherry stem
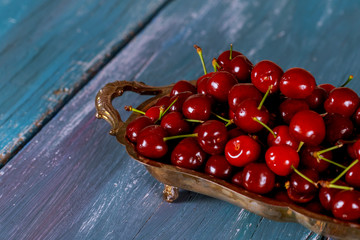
column 265, row 126
column 303, row 176
column 199, row 51
column 228, row 122
column 167, row 109
column 345, row 171
column 264, row 97
column 346, row 142
column 347, row 81
column 230, row 57
column 180, row 136
column 327, row 184
column 332, row 162
column 130, row 108
column 300, row 146
column 318, row 153
column 215, row 64
column 193, row 120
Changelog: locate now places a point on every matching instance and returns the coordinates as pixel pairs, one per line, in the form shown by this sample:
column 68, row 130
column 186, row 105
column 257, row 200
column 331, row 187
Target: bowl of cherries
column 268, row 140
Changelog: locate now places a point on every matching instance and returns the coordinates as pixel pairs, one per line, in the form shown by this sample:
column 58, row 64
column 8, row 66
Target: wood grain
column 50, row 49
column 73, row 181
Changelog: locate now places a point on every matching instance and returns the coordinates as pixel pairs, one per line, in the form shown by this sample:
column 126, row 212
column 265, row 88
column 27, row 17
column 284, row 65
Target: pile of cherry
column 271, row 132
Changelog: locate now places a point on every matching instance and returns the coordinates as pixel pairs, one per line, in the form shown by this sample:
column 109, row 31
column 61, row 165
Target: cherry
column 265, row 74
column 310, row 161
column 352, row 177
column 134, row 127
column 317, row 98
column 212, row 136
column 307, row 126
column 337, row 127
column 201, row 83
column 315, row 207
column 290, row 107
column 235, row 132
column 150, row 142
column 282, row 137
column 240, row 67
column 241, row 91
column 180, row 99
column 258, row 178
column 326, row 195
column 182, row 86
column 327, row 86
column 356, row 149
column 217, row 166
column 163, row 101
column 219, row 85
column 237, row 179
column 356, row 117
column 346, row 205
column 154, row 112
column 242, row 150
column 188, row 154
column 283, row 197
column 225, row 57
column 342, row 100
column 175, row 124
column 280, row 159
column 297, row 83
column 197, row 107
column 300, row 189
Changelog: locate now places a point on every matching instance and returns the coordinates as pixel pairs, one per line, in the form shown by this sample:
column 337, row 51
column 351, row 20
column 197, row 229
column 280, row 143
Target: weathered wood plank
column 50, row 49
column 73, row 181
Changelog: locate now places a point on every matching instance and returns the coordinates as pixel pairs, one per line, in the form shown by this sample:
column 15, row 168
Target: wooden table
column 64, row 177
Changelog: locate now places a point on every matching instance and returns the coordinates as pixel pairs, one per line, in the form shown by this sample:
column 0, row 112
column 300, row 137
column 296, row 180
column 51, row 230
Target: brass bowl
column 174, row 177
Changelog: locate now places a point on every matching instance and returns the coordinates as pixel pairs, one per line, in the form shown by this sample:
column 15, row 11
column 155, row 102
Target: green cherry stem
column 300, row 146
column 180, row 136
column 130, row 108
column 193, row 120
column 345, row 171
column 230, row 57
column 318, row 153
column 332, row 162
column 264, row 97
column 303, row 176
column 167, row 109
column 228, row 122
column 199, row 51
column 347, row 81
column 265, row 126
column 327, row 184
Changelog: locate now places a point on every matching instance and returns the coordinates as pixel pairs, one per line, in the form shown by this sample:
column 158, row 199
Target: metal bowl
column 174, row 177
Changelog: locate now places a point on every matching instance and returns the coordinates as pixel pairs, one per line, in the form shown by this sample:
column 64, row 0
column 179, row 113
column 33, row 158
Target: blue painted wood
column 73, row 181
column 50, row 49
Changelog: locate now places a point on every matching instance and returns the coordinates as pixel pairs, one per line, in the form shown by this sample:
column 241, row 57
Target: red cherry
column 240, row 67
column 280, row 159
column 217, row 166
column 342, row 100
column 235, row 132
column 154, row 112
column 326, row 195
column 317, row 98
column 309, row 161
column 181, row 97
column 356, row 149
column 356, row 117
column 237, row 179
column 258, row 178
column 327, row 86
column 352, row 177
column 338, row 127
column 219, row 85
column 182, row 86
column 150, row 142
column 197, row 106
column 265, row 74
column 133, row 128
column 201, row 83
column 188, row 154
column 174, row 124
column 297, row 83
column 346, row 205
column 242, row 150
column 307, row 126
column 290, row 107
column 163, row 101
column 282, row 137
column 212, row 136
column 300, row 189
column 240, row 92
column 224, row 58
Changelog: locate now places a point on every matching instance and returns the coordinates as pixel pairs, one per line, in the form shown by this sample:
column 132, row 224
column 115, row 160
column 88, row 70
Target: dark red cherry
column 280, row 159
column 300, row 189
column 237, row 179
column 212, row 136
column 309, row 161
column 342, row 100
column 242, row 150
column 356, row 117
column 346, row 205
column 181, row 97
column 150, row 142
column 299, row 197
column 240, row 92
column 290, row 107
column 282, row 137
column 188, row 154
column 283, row 197
column 201, row 83
column 240, row 67
column 317, row 98
column 154, row 112
column 217, row 166
column 175, row 124
column 235, row 132
column 258, row 178
column 338, row 127
column 246, row 111
column 326, row 195
column 265, row 74
column 307, row 126
column 224, row 58
column 133, row 128
column 219, row 85
column 352, row 177
column 327, row 86
column 315, row 207
column 163, row 101
column 197, row 106
column 182, row 86
column 297, row 83
column 356, row 149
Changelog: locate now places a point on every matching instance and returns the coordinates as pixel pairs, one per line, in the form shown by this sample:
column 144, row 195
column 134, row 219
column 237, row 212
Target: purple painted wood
column 74, row 181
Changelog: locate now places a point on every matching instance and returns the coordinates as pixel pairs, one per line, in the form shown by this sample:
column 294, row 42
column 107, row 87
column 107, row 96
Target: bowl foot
column 170, row 193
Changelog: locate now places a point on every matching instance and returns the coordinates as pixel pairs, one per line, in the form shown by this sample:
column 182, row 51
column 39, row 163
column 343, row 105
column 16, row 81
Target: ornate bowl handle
column 103, row 100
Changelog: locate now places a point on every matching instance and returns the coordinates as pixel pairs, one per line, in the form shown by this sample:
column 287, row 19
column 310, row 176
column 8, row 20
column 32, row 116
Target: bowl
column 174, row 177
